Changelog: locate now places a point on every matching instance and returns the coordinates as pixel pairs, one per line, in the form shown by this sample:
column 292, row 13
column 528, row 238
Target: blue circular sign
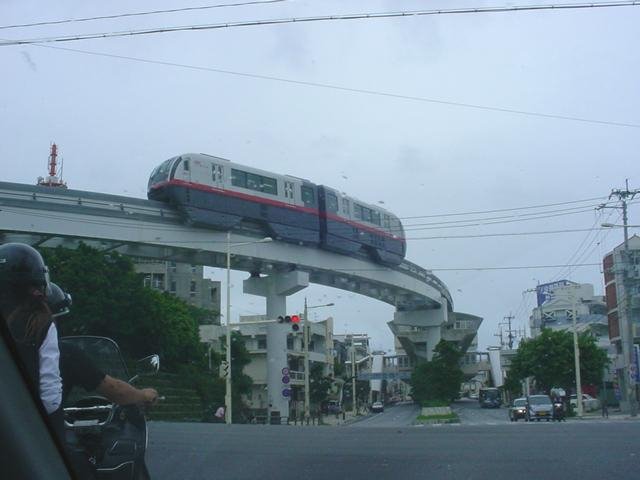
column 285, row 379
column 286, row 392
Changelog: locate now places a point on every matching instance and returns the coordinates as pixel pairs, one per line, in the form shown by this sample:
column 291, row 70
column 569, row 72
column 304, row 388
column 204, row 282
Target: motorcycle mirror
column 146, row 366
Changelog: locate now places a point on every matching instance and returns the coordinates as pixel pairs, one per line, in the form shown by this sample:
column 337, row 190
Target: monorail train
column 215, row 192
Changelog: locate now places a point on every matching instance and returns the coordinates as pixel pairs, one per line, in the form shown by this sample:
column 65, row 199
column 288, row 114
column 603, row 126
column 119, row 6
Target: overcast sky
column 114, row 120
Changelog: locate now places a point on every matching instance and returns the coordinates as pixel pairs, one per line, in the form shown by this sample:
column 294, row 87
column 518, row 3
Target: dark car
column 539, row 407
column 518, row 409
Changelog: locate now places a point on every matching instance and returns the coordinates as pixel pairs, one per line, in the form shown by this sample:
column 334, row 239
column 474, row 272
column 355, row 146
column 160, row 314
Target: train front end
column 157, row 188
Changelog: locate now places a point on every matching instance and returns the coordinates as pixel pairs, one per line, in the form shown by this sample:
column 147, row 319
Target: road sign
column 285, row 371
column 285, row 379
column 286, row 392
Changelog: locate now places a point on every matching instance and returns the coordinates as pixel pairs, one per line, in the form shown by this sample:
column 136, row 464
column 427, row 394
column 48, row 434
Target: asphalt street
column 470, row 413
column 401, row 415
column 582, row 450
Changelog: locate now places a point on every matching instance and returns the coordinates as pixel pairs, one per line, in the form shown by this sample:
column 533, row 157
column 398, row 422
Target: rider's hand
column 149, row 395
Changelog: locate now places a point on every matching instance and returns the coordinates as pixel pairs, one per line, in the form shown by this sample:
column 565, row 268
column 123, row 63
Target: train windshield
column 161, row 172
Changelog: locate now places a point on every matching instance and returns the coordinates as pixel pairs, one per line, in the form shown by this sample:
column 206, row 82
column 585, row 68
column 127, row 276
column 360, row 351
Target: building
column 556, row 307
column 183, row 280
column 254, row 332
column 622, row 288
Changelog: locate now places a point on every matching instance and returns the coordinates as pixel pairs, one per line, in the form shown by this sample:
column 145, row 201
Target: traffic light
column 224, row 369
column 294, row 320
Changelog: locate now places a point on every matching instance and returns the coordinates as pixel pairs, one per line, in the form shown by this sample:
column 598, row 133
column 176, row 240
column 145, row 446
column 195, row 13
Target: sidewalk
column 332, row 420
column 597, row 416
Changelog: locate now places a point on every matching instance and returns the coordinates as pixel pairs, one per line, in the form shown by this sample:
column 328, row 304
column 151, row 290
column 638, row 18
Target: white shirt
column 50, row 380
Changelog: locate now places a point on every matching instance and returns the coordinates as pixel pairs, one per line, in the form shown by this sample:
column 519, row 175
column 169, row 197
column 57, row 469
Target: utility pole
column 576, row 352
column 510, row 335
column 354, row 406
column 305, row 336
column 500, row 336
column 625, row 321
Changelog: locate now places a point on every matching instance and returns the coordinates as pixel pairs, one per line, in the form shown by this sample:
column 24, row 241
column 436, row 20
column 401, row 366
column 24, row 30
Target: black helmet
column 58, row 300
column 22, row 265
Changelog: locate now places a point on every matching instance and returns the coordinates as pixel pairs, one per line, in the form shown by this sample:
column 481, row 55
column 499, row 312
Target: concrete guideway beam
column 276, row 288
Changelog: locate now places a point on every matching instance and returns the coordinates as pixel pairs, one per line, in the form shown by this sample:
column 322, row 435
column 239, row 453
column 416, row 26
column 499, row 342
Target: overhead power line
column 512, row 209
column 138, row 14
column 522, row 216
column 349, row 89
column 465, row 269
column 319, row 18
column 505, row 234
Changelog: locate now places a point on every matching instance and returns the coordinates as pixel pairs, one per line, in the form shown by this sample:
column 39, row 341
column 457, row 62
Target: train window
column 375, row 217
column 185, row 165
column 332, row 202
column 253, row 181
column 366, row 214
column 386, row 221
column 238, row 178
column 308, row 197
column 269, row 185
column 288, row 189
column 345, row 206
column 357, row 211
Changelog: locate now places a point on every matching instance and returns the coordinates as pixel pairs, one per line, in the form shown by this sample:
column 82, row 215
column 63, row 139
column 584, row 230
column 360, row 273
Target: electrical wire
column 568, row 211
column 349, row 89
column 320, row 18
column 497, row 210
column 138, row 14
column 503, row 234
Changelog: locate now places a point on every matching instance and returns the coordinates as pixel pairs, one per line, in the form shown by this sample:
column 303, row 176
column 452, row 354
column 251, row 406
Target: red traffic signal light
column 294, row 320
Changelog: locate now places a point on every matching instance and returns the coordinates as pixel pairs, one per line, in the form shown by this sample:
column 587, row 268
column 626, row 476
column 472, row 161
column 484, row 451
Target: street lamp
column 614, row 225
column 227, row 397
column 305, row 336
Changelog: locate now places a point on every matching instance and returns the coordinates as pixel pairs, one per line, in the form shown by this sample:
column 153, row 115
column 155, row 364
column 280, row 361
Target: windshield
column 308, row 208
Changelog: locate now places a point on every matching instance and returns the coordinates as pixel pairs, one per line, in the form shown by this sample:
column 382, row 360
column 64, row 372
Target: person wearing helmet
column 24, row 279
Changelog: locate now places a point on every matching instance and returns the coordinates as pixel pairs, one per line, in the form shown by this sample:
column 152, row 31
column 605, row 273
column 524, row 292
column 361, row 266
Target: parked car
column 518, row 409
column 589, row 403
column 334, row 407
column 539, row 407
column 377, row 407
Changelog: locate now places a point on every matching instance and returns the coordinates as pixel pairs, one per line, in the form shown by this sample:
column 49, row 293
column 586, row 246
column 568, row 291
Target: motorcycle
column 558, row 411
column 113, row 438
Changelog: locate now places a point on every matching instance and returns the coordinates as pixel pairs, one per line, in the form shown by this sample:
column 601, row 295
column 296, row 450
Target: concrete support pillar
column 275, row 288
column 276, row 362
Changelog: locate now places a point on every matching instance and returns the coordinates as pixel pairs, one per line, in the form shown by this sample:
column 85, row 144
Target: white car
column 589, row 404
column 377, row 407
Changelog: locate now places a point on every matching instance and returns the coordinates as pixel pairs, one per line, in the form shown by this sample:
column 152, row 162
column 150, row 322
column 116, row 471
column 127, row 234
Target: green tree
column 549, row 358
column 319, row 384
column 438, row 380
column 109, row 300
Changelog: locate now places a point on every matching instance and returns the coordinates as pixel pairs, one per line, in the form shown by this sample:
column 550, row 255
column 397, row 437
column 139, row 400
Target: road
column 401, row 415
column 582, row 449
column 470, row 413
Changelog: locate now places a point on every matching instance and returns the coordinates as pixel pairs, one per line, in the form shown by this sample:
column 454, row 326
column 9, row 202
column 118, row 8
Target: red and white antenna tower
column 53, row 180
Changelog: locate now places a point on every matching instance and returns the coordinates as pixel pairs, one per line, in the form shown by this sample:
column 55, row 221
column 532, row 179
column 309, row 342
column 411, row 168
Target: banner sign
column 384, row 376
column 543, row 291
